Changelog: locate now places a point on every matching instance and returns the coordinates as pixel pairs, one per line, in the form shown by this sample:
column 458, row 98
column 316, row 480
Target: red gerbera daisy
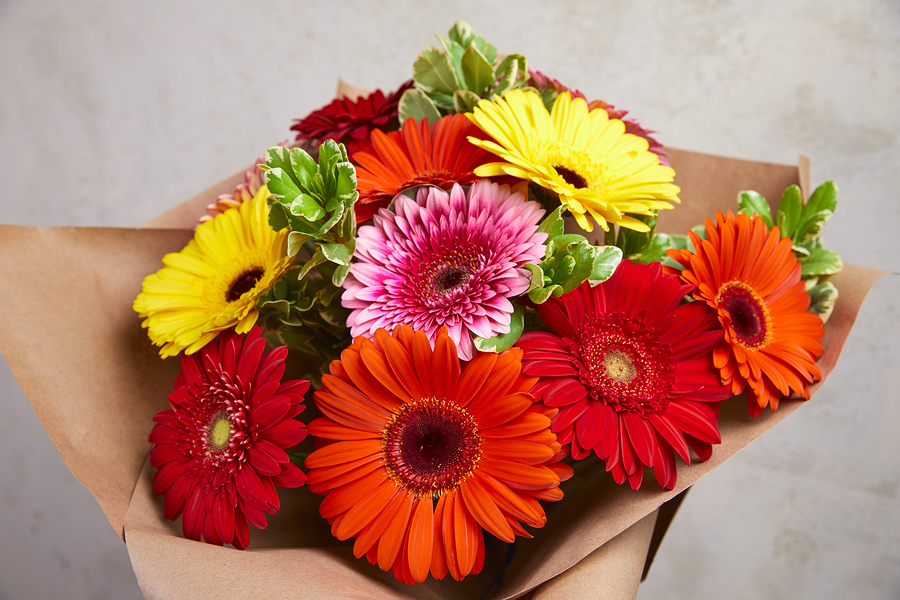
column 751, row 277
column 418, row 154
column 631, row 372
column 219, row 450
column 416, row 455
column 351, row 121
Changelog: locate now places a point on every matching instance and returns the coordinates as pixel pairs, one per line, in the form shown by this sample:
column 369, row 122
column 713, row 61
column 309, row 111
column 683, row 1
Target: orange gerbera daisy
column 752, row 278
column 418, row 154
column 417, row 456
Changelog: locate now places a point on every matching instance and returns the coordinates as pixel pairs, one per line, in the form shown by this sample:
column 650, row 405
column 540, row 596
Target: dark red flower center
column 430, row 447
column 750, row 322
column 572, row 178
column 442, row 274
column 243, row 284
column 450, row 278
column 625, row 365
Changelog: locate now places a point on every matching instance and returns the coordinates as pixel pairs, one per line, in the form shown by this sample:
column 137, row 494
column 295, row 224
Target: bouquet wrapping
column 94, row 380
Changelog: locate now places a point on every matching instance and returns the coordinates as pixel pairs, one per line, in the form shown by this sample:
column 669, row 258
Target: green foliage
column 453, row 78
column 315, row 202
column 569, row 261
column 822, row 297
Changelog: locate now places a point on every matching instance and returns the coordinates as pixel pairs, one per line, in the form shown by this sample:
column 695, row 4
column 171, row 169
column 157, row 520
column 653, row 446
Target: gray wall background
column 112, row 112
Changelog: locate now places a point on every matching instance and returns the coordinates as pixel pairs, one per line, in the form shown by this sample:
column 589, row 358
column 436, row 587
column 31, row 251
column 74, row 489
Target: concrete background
column 112, row 112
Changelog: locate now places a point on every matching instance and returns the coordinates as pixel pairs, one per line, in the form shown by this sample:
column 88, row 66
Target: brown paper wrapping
column 77, row 349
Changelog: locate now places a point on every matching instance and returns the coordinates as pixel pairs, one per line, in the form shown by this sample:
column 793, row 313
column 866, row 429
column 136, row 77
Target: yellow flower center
column 218, row 432
column 619, row 366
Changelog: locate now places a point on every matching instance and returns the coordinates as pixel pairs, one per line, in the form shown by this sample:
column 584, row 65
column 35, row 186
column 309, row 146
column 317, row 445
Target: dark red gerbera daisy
column 631, row 372
column 219, row 449
column 351, row 121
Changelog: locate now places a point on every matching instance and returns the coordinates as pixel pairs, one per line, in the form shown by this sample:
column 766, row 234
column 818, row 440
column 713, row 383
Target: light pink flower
column 445, row 260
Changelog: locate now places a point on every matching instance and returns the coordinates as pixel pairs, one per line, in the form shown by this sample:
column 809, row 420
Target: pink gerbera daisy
column 451, row 260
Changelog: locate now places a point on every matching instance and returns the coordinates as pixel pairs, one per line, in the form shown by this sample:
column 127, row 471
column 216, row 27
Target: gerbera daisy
column 215, row 281
column 351, row 121
column 750, row 276
column 418, row 154
column 416, row 455
column 631, row 372
column 586, row 158
column 550, row 88
column 445, row 260
column 219, row 449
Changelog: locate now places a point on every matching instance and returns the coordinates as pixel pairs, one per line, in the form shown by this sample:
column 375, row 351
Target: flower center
column 624, row 364
column 243, row 284
column 437, row 277
column 218, row 432
column 751, row 324
column 429, row 448
column 450, row 278
column 572, row 178
column 619, row 366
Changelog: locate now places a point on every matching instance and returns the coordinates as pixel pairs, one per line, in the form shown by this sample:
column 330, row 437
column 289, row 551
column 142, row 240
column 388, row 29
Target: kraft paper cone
column 77, row 349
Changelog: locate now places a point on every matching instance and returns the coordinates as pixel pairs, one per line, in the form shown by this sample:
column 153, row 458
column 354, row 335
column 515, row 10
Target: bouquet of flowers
column 469, row 275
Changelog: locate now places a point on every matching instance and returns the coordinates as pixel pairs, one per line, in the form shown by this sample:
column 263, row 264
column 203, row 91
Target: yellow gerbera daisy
column 215, row 282
column 583, row 156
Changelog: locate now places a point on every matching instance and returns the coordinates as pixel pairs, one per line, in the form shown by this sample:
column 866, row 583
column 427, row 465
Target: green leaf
column 278, row 157
column 338, row 253
column 537, row 277
column 278, row 218
column 562, row 267
column 800, row 252
column 510, row 73
column 788, row 215
column 295, row 241
column 750, row 202
column 307, row 207
column 583, row 255
column 568, row 239
column 461, row 33
column 821, row 262
column 823, row 198
column 656, row 249
column 464, row 101
column 417, row 105
column 282, row 186
column 477, row 71
column 345, row 189
column 504, row 341
column 822, row 300
column 606, row 261
column 316, row 259
column 810, row 227
column 303, row 166
column 553, row 224
column 433, row 72
column 541, row 295
column 339, row 275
